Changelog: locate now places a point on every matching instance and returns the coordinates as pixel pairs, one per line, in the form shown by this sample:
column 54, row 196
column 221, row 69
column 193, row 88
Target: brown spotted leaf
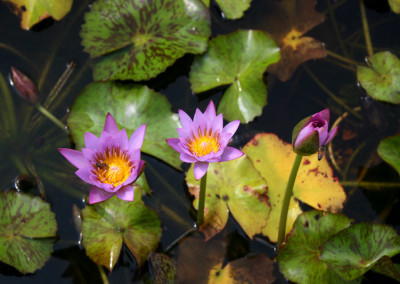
column 233, row 186
column 287, row 21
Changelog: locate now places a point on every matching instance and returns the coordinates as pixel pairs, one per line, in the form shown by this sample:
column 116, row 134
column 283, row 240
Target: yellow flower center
column 203, row 143
column 113, row 167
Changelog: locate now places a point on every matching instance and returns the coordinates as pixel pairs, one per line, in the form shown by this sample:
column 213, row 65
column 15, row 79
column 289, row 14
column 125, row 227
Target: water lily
column 204, row 140
column 310, row 134
column 110, row 163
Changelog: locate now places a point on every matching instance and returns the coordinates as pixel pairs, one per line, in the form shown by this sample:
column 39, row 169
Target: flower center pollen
column 203, row 143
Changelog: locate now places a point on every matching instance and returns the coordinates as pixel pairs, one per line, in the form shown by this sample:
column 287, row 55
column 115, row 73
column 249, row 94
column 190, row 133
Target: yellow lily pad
column 315, row 184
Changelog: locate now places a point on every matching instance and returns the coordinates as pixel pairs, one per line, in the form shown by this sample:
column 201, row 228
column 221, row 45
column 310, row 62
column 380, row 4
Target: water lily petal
column 218, row 123
column 187, row 158
column 110, row 126
column 230, row 153
column 126, row 193
column 84, row 174
column 200, row 169
column 137, row 137
column 122, row 139
column 173, row 142
column 186, row 121
column 91, row 140
column 330, row 136
column 198, row 116
column 231, row 127
column 324, row 114
column 210, row 112
column 97, row 195
column 306, row 132
column 74, row 157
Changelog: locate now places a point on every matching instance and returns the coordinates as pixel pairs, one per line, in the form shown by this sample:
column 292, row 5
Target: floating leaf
column 32, row 12
column 27, row 228
column 139, row 39
column 381, row 79
column 239, row 60
column 299, row 259
column 233, row 186
column 287, row 21
column 386, row 267
column 109, row 223
column 163, row 268
column 315, row 183
column 233, row 9
column 354, row 251
column 131, row 106
column 389, row 151
column 395, row 6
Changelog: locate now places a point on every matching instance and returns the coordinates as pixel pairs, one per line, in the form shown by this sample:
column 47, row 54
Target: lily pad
column 395, row 6
column 354, row 251
column 299, row 259
column 32, row 12
column 108, row 224
column 139, row 39
column 288, row 21
column 233, row 9
column 163, row 268
column 131, row 105
column 389, row 151
column 315, row 183
column 381, row 79
column 27, row 231
column 238, row 59
column 235, row 187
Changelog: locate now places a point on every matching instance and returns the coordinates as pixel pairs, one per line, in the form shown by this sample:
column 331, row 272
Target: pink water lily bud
column 25, row 87
column 310, row 134
column 204, row 140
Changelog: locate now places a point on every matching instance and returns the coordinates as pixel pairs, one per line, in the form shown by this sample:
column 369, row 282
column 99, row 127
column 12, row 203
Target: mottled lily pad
column 162, row 268
column 354, row 251
column 108, row 224
column 233, row 9
column 381, row 79
column 238, row 59
column 389, row 150
column 27, row 231
column 395, row 6
column 235, row 187
column 131, row 106
column 32, row 12
column 139, row 39
column 315, row 183
column 299, row 259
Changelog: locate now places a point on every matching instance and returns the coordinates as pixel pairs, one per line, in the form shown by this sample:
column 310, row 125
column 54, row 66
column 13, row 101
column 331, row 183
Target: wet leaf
column 139, row 39
column 381, row 79
column 233, row 9
column 131, row 106
column 27, row 228
column 355, row 250
column 315, row 184
column 386, row 267
column 287, row 21
column 108, row 224
column 163, row 268
column 235, row 187
column 299, row 259
column 389, row 151
column 238, row 59
column 395, row 6
column 32, row 12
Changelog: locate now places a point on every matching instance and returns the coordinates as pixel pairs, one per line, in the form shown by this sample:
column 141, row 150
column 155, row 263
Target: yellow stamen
column 113, row 167
column 203, row 143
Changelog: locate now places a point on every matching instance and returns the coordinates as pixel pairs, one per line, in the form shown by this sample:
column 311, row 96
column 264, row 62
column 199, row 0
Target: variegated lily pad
column 139, row 39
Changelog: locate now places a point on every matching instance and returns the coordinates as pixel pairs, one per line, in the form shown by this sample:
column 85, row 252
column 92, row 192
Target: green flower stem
column 202, row 197
column 286, row 200
column 46, row 113
column 366, row 29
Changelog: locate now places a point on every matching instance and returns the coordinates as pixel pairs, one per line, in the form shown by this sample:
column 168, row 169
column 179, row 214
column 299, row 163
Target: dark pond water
column 44, row 52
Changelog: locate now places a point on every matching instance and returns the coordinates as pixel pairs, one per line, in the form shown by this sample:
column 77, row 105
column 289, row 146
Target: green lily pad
column 395, row 6
column 139, row 39
column 131, row 106
column 238, row 59
column 233, row 186
column 163, row 268
column 386, row 267
column 382, row 79
column 299, row 259
column 233, row 9
column 27, row 228
column 32, row 12
column 109, row 223
column 354, row 251
column 389, row 150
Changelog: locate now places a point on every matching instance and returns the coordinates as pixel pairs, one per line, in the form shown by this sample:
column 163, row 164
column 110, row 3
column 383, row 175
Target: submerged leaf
column 27, row 228
column 354, row 251
column 163, row 268
column 238, row 59
column 381, row 79
column 32, row 12
column 108, row 224
column 139, row 39
column 315, row 183
column 233, row 9
column 131, row 106
column 236, row 187
column 389, row 150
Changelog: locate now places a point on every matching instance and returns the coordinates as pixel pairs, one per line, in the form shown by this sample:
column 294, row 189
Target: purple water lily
column 204, row 140
column 312, row 133
column 110, row 163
